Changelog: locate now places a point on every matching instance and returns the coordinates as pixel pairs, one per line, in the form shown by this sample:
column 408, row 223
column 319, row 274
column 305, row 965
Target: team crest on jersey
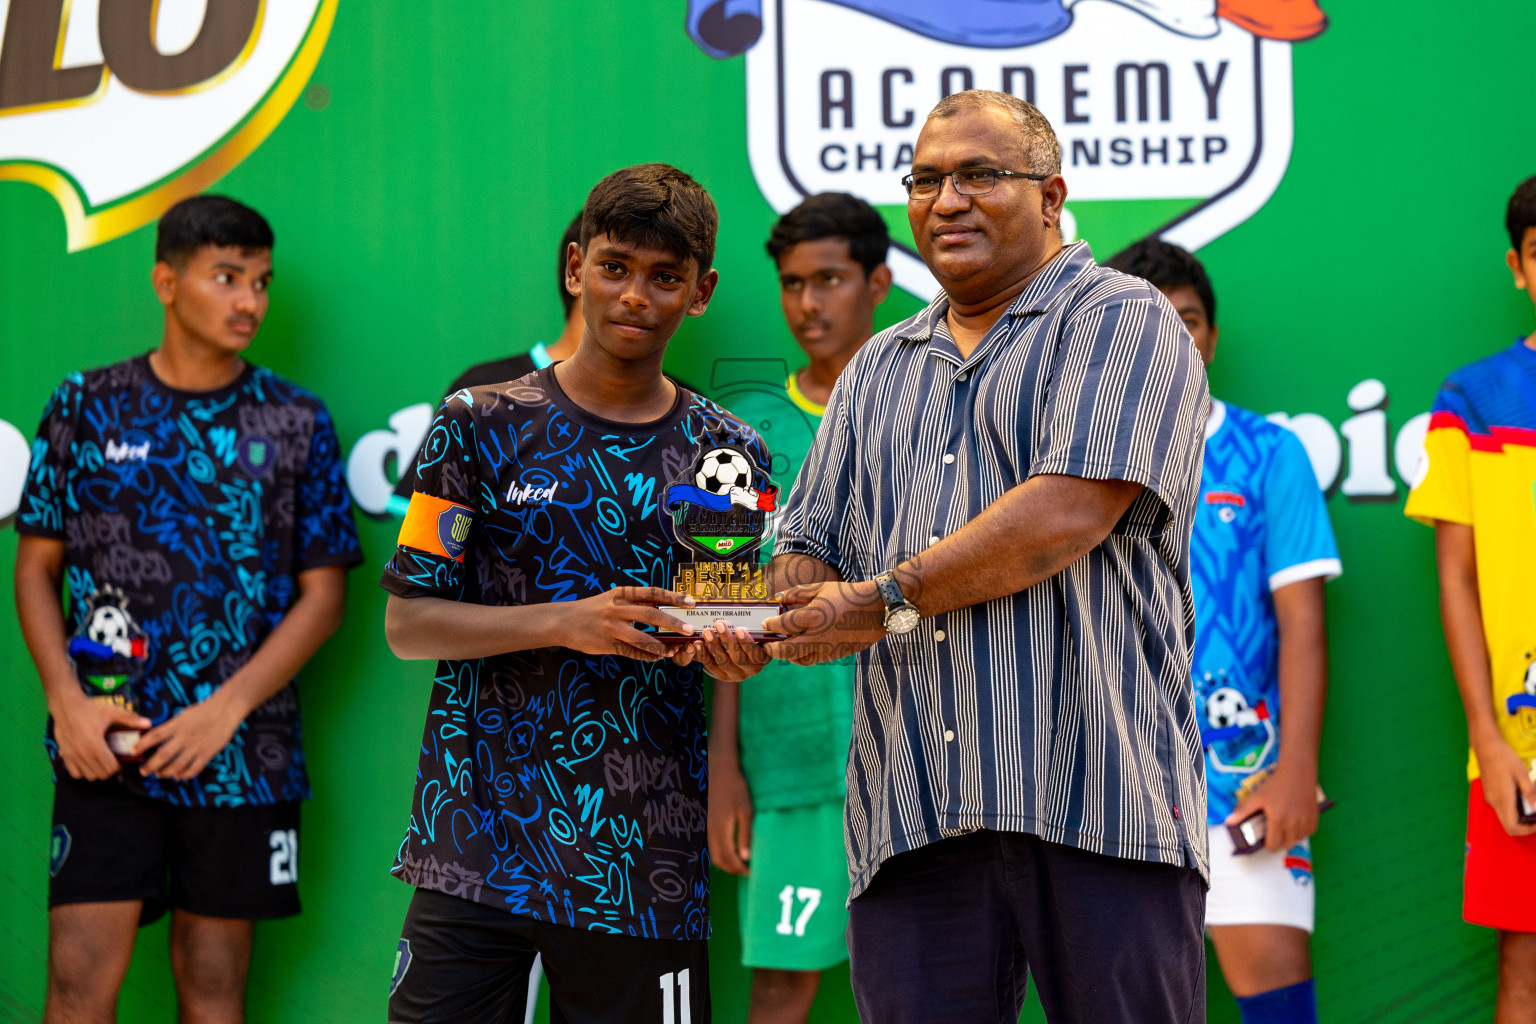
column 453, row 530
column 256, row 455
column 1174, row 115
column 1226, row 504
column 121, row 108
column 1522, row 705
column 1237, row 737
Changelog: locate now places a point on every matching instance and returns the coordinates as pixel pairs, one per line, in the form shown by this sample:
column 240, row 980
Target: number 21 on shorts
column 284, row 862
column 678, row 1012
column 810, row 900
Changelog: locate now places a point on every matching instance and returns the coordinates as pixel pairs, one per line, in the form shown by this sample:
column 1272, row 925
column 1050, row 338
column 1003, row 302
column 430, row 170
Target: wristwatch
column 901, row 615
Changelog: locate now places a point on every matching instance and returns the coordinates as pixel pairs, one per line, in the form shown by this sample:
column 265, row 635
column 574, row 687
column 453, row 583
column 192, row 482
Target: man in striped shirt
column 996, row 518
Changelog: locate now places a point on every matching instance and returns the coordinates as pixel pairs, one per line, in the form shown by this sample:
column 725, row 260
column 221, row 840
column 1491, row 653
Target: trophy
column 109, row 653
column 721, row 507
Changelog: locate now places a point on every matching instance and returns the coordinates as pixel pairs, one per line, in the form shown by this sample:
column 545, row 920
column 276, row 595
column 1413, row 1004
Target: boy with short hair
column 561, row 793
column 776, row 807
column 1261, row 550
column 1475, row 488
column 494, row 371
column 196, row 504
column 540, row 355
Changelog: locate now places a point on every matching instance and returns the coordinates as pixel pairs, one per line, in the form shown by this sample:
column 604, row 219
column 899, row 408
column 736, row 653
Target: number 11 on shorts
column 679, row 1012
column 811, row 898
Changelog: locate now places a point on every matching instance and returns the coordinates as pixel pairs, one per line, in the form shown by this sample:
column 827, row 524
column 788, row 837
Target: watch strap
column 890, row 590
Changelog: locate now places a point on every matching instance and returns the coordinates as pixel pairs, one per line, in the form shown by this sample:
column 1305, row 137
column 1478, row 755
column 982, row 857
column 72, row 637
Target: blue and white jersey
column 1262, row 524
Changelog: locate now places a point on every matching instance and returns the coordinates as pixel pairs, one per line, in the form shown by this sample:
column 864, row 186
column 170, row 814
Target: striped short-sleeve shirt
column 1065, row 710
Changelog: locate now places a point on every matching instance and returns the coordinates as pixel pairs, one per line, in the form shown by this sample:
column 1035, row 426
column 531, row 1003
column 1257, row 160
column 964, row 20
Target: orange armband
column 436, row 526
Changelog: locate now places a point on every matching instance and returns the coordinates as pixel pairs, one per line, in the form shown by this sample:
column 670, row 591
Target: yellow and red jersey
column 1480, row 470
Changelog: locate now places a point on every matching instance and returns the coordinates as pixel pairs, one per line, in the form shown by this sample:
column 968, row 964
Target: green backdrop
column 417, row 199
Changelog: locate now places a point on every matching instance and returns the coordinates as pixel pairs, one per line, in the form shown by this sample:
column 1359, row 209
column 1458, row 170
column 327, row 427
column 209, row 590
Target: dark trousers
column 951, row 931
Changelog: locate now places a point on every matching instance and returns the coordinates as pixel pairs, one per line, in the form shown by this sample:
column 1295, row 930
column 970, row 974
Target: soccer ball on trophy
column 722, row 469
column 1223, row 707
column 108, row 627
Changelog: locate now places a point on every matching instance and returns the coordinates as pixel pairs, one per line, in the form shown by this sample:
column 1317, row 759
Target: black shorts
column 460, row 962
column 110, row 844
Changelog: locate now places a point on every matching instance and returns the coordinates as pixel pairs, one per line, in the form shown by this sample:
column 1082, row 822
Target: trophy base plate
column 121, row 742
column 743, row 615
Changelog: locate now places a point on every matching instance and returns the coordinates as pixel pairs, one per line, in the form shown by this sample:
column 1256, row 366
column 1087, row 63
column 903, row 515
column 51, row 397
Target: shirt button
column 962, row 376
column 933, row 540
column 948, row 459
column 949, row 735
column 938, row 635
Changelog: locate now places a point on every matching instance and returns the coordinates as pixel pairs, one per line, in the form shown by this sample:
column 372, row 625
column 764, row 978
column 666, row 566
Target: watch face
column 902, row 620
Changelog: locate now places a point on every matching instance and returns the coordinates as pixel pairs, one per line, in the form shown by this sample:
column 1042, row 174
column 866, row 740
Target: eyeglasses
column 969, row 181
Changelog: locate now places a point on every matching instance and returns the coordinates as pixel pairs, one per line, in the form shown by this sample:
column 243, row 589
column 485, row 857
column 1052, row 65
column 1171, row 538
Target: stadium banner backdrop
column 1342, row 176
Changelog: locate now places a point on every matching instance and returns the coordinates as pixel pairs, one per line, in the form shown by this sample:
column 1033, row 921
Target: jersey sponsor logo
column 528, row 493
column 121, row 108
column 1175, row 116
column 125, row 451
column 58, row 849
column 436, row 526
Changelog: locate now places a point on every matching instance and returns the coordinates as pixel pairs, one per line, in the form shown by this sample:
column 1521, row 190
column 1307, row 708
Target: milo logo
column 121, row 108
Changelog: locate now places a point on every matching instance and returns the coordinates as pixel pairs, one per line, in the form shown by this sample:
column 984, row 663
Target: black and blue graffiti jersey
column 185, row 519
column 556, row 785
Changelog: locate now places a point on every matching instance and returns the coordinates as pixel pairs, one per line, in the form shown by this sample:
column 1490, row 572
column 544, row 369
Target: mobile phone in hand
column 1248, row 835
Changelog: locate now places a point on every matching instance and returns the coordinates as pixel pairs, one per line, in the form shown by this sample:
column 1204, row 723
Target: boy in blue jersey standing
column 1261, row 551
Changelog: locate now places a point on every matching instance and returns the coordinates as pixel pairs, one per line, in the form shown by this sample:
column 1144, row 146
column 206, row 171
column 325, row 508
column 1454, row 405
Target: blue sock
column 1294, row 1004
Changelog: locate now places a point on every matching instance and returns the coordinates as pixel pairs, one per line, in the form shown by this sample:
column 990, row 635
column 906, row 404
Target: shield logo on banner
column 1174, row 115
column 121, row 108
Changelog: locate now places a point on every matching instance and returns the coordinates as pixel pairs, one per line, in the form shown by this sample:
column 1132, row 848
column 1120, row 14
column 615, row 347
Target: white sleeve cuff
column 1327, row 568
